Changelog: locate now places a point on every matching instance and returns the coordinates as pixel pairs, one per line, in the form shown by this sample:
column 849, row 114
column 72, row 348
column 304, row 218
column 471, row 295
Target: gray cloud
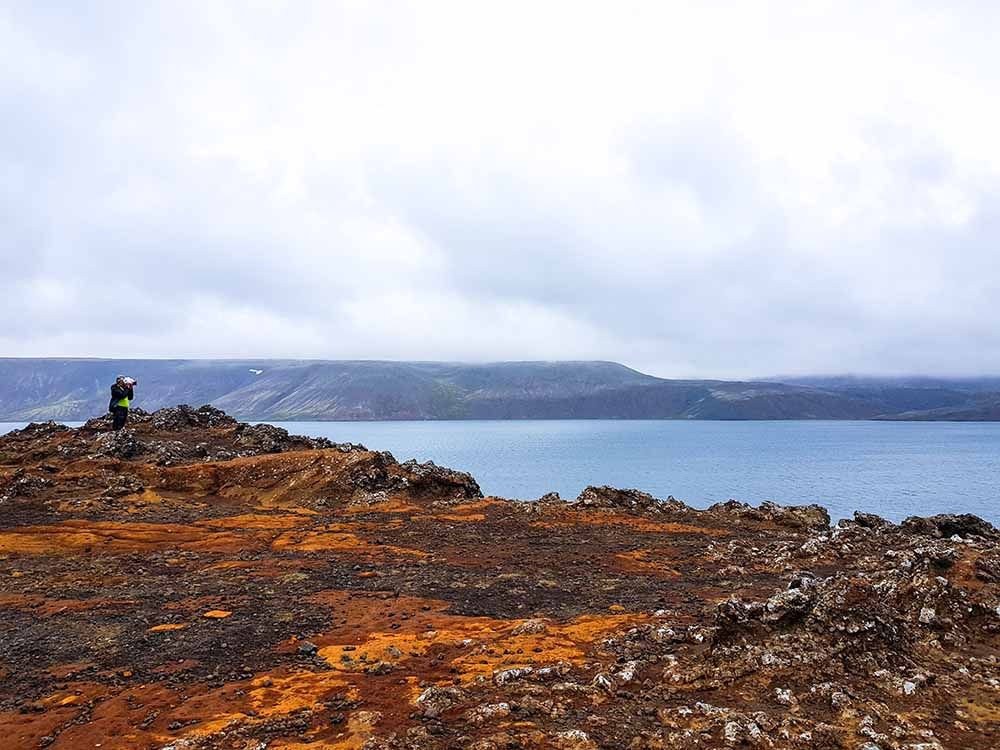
column 710, row 191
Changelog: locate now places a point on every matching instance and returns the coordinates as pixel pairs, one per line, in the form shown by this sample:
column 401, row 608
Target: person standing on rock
column 121, row 396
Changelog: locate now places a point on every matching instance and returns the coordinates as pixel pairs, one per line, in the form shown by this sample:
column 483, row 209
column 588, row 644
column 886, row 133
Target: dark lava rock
column 871, row 521
column 255, row 439
column 38, row 429
column 22, row 484
column 122, row 444
column 430, row 479
column 103, row 423
column 793, row 516
column 948, row 525
column 183, row 417
column 610, row 497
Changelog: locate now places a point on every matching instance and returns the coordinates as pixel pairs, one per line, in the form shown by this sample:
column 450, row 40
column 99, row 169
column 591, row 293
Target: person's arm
column 131, row 393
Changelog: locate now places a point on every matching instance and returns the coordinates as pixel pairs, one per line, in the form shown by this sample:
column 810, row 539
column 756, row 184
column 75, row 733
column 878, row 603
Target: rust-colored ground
column 193, row 583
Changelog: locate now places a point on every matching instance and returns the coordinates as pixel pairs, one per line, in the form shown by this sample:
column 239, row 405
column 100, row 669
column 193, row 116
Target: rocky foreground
column 195, row 583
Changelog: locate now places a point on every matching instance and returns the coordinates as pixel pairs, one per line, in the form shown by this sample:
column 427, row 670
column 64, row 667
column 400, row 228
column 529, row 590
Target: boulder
column 625, row 499
column 791, row 516
column 948, row 525
column 871, row 521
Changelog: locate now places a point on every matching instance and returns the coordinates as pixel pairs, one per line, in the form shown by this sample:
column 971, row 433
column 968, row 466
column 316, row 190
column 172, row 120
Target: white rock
column 507, row 675
column 627, row 672
column 731, row 732
column 603, row 681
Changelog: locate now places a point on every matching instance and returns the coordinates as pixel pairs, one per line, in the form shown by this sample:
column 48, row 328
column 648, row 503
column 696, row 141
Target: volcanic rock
column 948, row 525
column 196, row 583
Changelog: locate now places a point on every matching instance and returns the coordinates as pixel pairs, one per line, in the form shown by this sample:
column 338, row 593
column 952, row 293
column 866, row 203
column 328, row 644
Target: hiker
column 121, row 395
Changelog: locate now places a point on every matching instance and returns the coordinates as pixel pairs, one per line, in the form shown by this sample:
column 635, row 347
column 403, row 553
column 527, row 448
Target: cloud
column 701, row 190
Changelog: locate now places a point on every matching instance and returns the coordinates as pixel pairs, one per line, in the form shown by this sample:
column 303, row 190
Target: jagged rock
column 102, row 423
column 871, row 521
column 530, row 627
column 948, row 525
column 255, row 439
column 122, row 444
column 23, row 484
column 787, row 605
column 794, row 516
column 36, row 430
column 488, row 712
column 434, row 701
column 183, row 416
column 429, row 479
column 504, row 676
column 611, row 497
column 120, row 485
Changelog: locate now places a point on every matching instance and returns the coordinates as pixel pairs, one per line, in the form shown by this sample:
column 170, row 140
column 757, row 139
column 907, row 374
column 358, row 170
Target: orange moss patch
column 169, row 626
column 360, row 728
column 638, row 561
column 473, row 646
column 457, row 517
column 74, row 535
column 217, row 614
column 568, row 643
column 275, row 694
column 332, row 540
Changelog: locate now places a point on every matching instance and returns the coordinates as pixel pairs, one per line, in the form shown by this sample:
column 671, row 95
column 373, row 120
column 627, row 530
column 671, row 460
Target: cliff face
column 197, row 583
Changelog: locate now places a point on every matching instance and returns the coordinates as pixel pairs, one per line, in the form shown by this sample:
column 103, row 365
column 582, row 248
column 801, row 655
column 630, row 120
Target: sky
column 710, row 189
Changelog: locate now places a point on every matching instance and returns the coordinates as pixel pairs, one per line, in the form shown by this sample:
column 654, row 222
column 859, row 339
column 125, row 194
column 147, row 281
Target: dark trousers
column 120, row 417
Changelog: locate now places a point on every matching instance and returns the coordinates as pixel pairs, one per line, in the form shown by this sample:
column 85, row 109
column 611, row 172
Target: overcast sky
column 694, row 189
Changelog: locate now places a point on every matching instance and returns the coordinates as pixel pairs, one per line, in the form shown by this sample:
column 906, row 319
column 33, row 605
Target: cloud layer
column 710, row 189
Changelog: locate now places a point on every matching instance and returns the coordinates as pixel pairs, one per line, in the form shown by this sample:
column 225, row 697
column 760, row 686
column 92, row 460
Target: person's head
column 120, row 380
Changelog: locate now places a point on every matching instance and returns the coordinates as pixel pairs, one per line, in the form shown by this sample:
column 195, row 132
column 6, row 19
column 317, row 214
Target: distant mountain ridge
column 279, row 390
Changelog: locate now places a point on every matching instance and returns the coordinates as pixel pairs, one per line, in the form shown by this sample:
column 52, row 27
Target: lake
column 895, row 469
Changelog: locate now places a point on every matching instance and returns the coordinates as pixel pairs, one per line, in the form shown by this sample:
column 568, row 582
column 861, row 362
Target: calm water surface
column 895, row 469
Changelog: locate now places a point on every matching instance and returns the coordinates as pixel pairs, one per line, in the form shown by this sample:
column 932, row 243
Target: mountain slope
column 76, row 389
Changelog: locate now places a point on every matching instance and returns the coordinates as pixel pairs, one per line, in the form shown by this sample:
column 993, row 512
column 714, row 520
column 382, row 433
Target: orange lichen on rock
column 653, row 562
column 329, row 539
column 167, row 626
column 275, row 694
column 73, row 536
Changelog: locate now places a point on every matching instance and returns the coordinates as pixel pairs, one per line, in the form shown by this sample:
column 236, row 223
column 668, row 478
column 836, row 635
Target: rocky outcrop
column 629, row 499
column 964, row 525
column 793, row 516
column 193, row 583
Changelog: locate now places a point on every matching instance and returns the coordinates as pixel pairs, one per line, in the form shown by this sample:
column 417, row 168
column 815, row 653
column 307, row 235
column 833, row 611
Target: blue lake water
column 895, row 469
